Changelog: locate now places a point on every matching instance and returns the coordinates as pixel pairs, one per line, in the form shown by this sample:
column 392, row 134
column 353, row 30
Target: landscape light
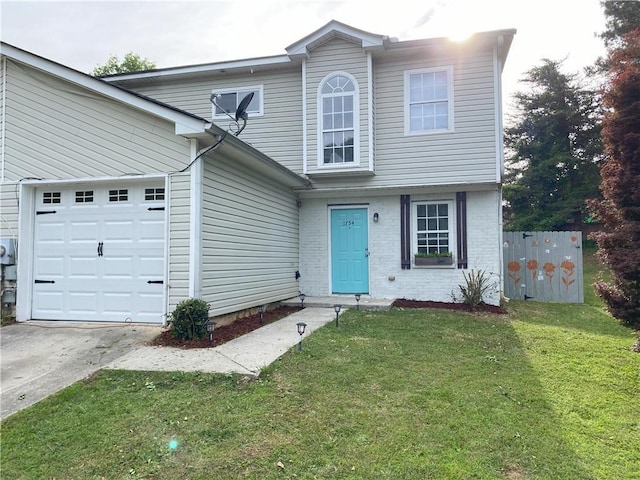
column 357, row 301
column 337, row 308
column 302, row 297
column 261, row 312
column 210, row 328
column 301, row 326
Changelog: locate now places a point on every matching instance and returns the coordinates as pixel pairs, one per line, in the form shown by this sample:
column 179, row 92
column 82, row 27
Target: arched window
column 338, row 107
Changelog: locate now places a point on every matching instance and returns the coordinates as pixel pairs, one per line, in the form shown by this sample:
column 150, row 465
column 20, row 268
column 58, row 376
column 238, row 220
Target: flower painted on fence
column 568, row 268
column 514, row 268
column 549, row 269
column 532, row 266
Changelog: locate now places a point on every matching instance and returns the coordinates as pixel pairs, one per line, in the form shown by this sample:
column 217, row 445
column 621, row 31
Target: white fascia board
column 184, row 123
column 217, row 67
column 331, row 29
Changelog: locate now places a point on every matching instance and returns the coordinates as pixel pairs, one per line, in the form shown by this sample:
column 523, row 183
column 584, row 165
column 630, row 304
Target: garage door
column 99, row 253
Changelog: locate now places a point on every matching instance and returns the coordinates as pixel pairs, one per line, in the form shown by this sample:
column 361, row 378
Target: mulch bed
column 225, row 333
column 463, row 307
column 247, row 324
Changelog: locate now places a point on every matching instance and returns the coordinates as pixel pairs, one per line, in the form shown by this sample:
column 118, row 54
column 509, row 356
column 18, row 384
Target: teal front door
column 349, row 250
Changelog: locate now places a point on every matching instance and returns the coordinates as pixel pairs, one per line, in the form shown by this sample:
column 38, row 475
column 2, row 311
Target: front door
column 349, row 250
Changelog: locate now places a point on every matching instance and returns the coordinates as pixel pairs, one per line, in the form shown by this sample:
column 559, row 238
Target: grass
column 548, row 391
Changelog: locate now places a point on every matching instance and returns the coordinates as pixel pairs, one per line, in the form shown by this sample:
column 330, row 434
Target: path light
column 302, row 297
column 336, row 309
column 301, row 326
column 261, row 312
column 357, row 301
column 210, row 327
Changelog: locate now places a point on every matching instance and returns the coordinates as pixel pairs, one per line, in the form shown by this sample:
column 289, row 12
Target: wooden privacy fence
column 543, row 266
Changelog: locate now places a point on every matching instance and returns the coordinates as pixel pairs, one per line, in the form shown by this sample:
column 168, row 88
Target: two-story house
column 360, row 151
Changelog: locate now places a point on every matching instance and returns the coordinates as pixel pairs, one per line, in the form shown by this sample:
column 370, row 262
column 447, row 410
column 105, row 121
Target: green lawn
column 549, row 391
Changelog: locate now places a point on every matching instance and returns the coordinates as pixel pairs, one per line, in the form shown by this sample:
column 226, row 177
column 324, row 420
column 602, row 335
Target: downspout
column 497, row 72
column 195, row 223
column 304, row 117
column 3, row 114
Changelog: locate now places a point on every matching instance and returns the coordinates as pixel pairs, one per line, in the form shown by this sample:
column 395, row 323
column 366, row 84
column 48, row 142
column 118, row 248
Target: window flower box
column 433, row 260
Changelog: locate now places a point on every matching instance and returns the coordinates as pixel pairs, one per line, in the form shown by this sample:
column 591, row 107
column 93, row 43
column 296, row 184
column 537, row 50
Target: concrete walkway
column 246, row 355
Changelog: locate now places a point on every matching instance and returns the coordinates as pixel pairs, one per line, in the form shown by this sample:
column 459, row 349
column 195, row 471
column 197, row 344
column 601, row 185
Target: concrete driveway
column 38, row 359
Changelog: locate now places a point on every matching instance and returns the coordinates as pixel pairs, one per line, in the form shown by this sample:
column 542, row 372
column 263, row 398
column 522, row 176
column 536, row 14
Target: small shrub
column 189, row 319
column 475, row 286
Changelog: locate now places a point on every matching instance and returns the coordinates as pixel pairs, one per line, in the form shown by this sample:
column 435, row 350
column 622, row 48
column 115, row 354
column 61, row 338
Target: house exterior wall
column 55, row 130
column 277, row 133
column 249, row 238
column 386, row 278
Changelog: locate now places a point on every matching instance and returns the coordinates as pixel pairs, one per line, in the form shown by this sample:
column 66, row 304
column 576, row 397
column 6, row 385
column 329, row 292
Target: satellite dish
column 241, row 112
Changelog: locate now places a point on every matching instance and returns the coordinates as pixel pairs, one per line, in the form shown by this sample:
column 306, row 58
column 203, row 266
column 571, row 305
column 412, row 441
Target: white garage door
column 99, row 253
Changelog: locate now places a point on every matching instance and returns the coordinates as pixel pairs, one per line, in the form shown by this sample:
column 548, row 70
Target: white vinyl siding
column 249, row 238
column 468, row 155
column 179, row 202
column 69, row 132
column 277, row 133
column 8, row 210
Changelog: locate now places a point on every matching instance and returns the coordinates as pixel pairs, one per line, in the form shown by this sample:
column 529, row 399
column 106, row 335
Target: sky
column 83, row 34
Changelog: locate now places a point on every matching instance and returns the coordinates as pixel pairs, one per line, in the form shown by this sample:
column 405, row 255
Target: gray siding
column 278, row 133
column 8, row 210
column 467, row 155
column 57, row 130
column 179, row 233
column 336, row 55
column 249, row 238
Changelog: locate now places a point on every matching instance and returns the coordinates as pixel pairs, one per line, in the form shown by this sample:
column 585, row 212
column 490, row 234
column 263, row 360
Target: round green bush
column 189, row 319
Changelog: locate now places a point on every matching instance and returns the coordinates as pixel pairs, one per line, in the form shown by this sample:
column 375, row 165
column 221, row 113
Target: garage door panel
column 101, row 250
column 83, row 267
column 51, row 267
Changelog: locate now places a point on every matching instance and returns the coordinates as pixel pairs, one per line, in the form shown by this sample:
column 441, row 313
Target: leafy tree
column 622, row 17
column 132, row 62
column 619, row 244
column 553, row 148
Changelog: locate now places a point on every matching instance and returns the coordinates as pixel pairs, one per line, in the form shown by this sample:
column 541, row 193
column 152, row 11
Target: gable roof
column 331, row 30
column 185, row 123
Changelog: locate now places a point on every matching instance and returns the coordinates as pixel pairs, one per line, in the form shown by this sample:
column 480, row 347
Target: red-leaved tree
column 619, row 244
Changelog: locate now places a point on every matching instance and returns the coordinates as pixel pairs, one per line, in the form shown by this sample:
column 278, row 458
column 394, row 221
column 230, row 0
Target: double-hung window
column 229, row 98
column 433, row 223
column 428, row 100
column 338, row 123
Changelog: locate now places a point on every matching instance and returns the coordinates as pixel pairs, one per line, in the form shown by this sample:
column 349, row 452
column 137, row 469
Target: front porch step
column 347, row 301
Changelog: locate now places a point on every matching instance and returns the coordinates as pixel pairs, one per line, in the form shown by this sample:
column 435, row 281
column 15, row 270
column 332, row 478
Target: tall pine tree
column 553, row 149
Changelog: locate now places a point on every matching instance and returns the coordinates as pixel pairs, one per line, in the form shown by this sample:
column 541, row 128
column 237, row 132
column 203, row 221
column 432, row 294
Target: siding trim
column 497, row 102
column 461, row 229
column 304, row 117
column 370, row 107
column 3, row 114
column 195, row 224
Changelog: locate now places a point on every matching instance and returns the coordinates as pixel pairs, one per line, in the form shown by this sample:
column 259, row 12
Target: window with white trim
column 433, row 227
column 338, row 120
column 230, row 98
column 428, row 100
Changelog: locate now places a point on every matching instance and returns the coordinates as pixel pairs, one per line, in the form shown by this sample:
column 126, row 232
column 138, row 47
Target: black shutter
column 461, row 223
column 405, row 232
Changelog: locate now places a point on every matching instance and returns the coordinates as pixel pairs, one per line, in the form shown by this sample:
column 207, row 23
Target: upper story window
column 338, row 122
column 230, row 98
column 428, row 100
